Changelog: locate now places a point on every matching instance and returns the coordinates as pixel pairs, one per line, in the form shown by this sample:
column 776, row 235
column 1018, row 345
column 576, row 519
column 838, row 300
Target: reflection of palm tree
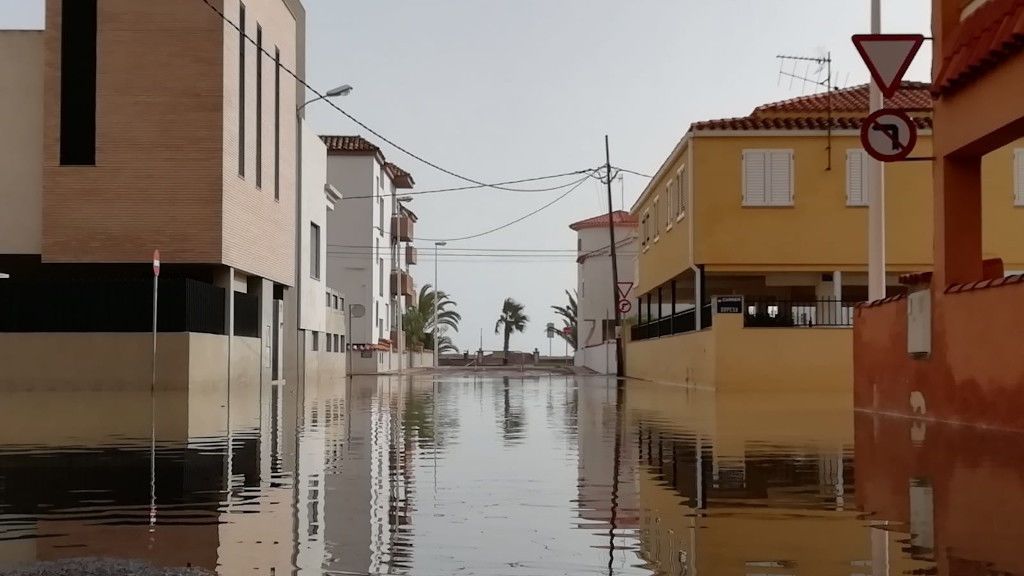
column 513, row 421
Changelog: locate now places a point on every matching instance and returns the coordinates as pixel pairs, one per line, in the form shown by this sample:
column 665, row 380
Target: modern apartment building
column 370, row 249
column 771, row 210
column 159, row 125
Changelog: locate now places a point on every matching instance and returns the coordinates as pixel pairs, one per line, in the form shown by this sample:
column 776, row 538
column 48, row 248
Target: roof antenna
column 824, row 64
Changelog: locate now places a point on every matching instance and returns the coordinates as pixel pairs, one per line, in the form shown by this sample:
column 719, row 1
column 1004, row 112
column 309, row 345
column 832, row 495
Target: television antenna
column 820, row 64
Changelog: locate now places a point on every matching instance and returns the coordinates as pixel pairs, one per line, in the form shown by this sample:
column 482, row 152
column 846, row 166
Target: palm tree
column 568, row 314
column 511, row 319
column 418, row 320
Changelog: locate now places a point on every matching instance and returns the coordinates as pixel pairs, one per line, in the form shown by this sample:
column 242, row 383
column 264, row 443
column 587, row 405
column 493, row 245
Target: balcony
column 410, row 254
column 401, row 228
column 401, row 284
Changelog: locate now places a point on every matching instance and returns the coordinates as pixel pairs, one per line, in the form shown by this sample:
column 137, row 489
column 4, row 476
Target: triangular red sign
column 888, row 57
column 624, row 288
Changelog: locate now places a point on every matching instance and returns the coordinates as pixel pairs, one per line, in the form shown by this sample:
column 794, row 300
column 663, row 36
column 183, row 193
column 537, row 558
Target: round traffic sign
column 888, row 135
column 625, row 306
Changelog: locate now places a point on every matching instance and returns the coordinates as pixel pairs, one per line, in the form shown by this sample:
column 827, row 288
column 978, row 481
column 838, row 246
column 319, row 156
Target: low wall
column 730, row 357
column 975, row 373
column 123, row 361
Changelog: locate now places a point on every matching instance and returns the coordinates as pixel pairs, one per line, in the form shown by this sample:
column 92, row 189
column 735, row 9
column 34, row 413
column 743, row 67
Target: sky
column 509, row 89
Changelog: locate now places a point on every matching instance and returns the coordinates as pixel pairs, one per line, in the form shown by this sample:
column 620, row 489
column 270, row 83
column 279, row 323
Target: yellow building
column 772, row 207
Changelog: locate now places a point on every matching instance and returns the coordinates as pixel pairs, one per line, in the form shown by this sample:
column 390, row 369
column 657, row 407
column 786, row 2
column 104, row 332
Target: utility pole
column 396, row 273
column 620, row 369
column 876, row 180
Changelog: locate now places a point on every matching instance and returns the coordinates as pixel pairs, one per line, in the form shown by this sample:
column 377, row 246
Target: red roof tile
column 911, row 96
column 988, row 36
column 792, row 123
column 619, row 217
column 349, row 144
column 401, row 178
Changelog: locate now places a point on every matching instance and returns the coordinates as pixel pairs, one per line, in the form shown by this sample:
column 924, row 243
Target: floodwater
column 482, row 474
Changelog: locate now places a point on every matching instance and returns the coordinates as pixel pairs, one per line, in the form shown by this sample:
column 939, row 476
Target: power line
column 633, row 172
column 355, row 120
column 495, row 185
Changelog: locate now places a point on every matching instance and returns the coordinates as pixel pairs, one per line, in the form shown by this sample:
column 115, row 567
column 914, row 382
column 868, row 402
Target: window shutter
column 780, row 177
column 684, row 191
column 1018, row 176
column 855, row 193
column 754, row 181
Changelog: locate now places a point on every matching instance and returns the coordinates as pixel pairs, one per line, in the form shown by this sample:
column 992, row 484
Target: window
column 579, row 244
column 259, row 106
column 328, row 342
column 380, row 276
column 337, row 343
column 657, row 221
column 380, row 210
column 314, row 251
column 241, row 90
column 1018, row 177
column 670, row 204
column 328, row 299
column 78, row 83
column 682, row 192
column 645, row 228
column 316, row 341
column 335, row 301
column 767, row 177
column 277, row 123
column 341, row 340
column 856, row 191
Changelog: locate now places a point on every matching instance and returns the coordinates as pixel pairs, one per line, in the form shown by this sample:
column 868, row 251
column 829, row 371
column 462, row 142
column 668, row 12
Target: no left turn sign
column 888, row 135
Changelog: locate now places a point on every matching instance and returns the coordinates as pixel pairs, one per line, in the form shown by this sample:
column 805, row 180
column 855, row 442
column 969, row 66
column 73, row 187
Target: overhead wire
column 361, row 124
column 477, row 186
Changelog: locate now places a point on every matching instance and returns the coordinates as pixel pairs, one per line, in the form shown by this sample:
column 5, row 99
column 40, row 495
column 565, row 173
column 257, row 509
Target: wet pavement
column 485, row 473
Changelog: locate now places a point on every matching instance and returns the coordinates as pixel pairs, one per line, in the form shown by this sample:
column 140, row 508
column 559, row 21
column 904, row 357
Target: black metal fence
column 117, row 305
column 770, row 313
column 677, row 323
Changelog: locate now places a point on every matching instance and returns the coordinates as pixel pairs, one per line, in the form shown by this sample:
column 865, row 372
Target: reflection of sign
column 366, row 354
column 730, row 304
column 888, row 135
column 888, row 56
column 156, row 262
column 357, row 310
column 625, row 306
column 624, row 288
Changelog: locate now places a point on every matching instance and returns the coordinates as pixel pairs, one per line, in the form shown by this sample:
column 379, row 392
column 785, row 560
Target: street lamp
column 436, row 293
column 343, row 90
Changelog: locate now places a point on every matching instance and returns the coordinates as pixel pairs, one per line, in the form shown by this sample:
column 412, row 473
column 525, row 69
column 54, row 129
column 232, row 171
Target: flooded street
column 477, row 473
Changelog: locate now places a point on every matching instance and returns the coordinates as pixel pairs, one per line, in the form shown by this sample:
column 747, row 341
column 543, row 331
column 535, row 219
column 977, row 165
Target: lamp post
column 436, row 293
column 343, row 90
column 396, row 268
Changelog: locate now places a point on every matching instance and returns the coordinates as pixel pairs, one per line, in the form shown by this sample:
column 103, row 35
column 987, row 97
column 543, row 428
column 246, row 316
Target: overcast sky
column 507, row 89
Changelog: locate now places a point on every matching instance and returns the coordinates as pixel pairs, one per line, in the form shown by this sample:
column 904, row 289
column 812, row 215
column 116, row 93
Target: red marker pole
column 156, row 289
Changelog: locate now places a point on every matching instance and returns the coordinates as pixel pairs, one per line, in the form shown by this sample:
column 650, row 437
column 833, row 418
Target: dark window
column 330, row 341
column 259, row 106
column 241, row 91
column 337, row 343
column 277, row 123
column 316, row 341
column 78, row 83
column 314, row 251
column 335, row 302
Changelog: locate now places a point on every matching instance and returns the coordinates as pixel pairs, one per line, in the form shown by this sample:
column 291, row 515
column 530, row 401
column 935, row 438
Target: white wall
column 597, row 297
column 21, row 141
column 313, row 210
column 357, row 247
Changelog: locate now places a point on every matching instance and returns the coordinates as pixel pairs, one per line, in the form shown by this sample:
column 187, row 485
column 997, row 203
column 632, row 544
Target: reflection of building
column 596, row 297
column 951, row 349
column 731, row 212
column 957, row 490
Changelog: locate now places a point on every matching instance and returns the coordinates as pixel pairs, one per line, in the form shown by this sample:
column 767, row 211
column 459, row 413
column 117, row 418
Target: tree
column 418, row 320
column 512, row 319
column 568, row 314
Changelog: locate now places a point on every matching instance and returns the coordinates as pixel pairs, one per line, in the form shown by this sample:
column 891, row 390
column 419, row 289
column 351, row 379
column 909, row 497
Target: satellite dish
column 357, row 310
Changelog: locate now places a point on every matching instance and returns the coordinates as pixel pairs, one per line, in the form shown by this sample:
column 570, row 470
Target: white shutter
column 780, row 177
column 754, row 178
column 1018, row 176
column 684, row 191
column 855, row 192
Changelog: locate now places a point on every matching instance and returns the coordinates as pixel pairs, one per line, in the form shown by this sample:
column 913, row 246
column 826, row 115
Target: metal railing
column 677, row 323
column 772, row 313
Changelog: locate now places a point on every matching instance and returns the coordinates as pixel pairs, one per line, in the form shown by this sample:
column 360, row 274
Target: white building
column 595, row 316
column 368, row 237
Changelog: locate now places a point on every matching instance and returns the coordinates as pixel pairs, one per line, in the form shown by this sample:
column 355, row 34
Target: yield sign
column 624, row 288
column 888, row 56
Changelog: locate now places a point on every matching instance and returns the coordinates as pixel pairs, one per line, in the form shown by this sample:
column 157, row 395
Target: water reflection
column 500, row 475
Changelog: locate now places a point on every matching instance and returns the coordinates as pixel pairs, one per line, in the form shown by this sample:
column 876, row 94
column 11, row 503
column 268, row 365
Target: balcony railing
column 770, row 313
column 401, row 284
column 410, row 254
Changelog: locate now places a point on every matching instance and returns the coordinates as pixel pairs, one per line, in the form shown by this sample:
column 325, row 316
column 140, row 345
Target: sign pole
column 876, row 179
column 156, row 290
